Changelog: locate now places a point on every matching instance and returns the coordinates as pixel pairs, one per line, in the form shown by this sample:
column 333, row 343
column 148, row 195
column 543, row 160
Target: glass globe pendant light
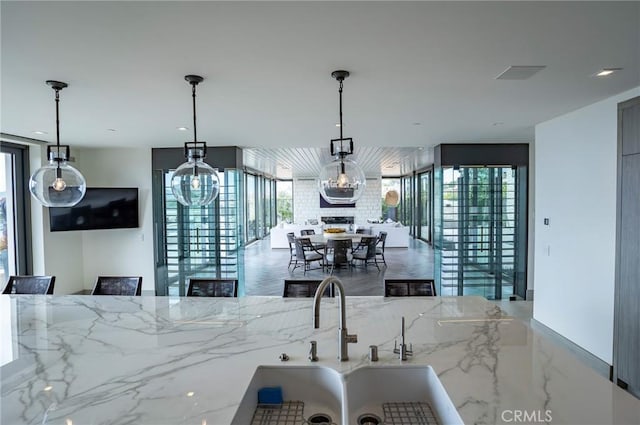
column 195, row 183
column 341, row 181
column 58, row 184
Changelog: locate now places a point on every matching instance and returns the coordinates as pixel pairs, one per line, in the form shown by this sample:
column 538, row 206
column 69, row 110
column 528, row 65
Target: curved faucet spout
column 343, row 337
column 318, row 297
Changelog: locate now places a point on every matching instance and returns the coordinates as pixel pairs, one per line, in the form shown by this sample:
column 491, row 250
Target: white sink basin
column 320, row 388
column 405, row 391
column 373, row 392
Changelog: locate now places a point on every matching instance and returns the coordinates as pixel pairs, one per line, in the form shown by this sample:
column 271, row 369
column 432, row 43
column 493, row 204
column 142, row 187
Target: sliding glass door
column 424, row 206
column 261, row 205
column 481, row 231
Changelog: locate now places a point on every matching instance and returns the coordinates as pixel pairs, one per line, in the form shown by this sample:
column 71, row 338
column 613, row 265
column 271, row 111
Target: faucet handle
column 352, row 338
column 313, row 351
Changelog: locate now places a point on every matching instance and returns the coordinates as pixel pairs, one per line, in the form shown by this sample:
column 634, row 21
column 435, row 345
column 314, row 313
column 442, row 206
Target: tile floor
column 265, row 269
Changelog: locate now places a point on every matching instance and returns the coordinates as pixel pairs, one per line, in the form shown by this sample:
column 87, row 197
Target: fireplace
column 338, row 220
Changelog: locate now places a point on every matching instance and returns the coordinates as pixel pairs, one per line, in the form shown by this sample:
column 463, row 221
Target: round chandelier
column 195, row 183
column 341, row 181
column 58, row 184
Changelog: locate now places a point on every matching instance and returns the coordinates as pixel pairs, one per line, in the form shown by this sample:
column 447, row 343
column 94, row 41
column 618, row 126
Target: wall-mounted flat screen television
column 101, row 208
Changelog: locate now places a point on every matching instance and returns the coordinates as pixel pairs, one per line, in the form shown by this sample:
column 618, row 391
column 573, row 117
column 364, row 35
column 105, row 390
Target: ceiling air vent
column 519, row 72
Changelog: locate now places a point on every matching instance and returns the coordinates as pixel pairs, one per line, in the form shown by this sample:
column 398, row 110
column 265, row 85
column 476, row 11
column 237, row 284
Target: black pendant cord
column 58, row 159
column 195, row 131
column 340, row 95
column 193, row 94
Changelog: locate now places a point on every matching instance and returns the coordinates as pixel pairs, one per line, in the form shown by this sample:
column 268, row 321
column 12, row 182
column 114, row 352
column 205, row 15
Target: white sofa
column 397, row 237
column 279, row 233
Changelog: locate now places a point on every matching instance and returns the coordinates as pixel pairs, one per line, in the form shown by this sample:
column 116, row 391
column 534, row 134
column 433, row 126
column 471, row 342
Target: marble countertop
column 75, row 360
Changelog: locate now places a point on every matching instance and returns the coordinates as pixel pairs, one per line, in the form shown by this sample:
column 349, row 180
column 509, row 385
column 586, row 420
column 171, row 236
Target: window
column 407, row 207
column 284, row 197
column 14, row 224
column 251, row 208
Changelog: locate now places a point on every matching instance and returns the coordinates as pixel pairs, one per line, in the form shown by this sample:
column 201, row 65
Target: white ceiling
column 422, row 73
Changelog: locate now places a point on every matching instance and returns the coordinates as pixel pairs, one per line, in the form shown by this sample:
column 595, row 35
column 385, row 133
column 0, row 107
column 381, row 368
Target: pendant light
column 341, row 181
column 58, row 184
column 195, row 183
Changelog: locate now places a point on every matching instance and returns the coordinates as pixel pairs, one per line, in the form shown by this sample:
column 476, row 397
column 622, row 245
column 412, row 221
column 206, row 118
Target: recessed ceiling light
column 182, row 128
column 337, row 124
column 39, row 132
column 190, row 394
column 605, row 72
column 420, row 148
column 48, row 388
column 519, row 72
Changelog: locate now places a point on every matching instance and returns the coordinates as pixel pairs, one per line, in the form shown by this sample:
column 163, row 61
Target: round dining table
column 323, row 238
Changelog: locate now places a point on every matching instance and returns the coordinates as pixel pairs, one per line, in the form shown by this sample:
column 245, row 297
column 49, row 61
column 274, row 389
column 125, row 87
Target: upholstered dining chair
column 208, row 287
column 42, row 285
column 409, row 288
column 305, row 288
column 307, row 232
column 338, row 252
column 291, row 239
column 307, row 254
column 118, row 285
column 382, row 241
column 366, row 251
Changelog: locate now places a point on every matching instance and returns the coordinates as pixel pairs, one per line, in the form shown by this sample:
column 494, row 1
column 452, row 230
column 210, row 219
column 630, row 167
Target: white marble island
column 160, row 360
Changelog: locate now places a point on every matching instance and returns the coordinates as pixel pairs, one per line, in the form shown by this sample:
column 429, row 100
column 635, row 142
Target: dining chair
column 338, row 252
column 291, row 239
column 305, row 288
column 362, row 231
column 209, row 287
column 382, row 241
column 118, row 285
column 409, row 288
column 42, row 285
column 307, row 254
column 366, row 251
column 307, row 232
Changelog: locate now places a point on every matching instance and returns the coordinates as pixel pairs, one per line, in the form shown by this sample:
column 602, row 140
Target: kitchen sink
column 310, row 393
column 398, row 394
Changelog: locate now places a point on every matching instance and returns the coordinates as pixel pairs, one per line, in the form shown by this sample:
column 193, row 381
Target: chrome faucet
column 403, row 351
column 343, row 337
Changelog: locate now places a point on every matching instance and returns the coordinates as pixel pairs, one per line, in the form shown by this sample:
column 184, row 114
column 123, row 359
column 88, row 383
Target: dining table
column 321, row 239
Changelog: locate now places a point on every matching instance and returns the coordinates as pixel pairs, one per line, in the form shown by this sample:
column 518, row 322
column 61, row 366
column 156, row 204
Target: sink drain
column 369, row 419
column 320, row 418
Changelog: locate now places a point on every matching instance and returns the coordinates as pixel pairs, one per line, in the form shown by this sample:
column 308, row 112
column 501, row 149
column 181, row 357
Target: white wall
column 77, row 257
column 575, row 187
column 306, row 202
column 125, row 252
